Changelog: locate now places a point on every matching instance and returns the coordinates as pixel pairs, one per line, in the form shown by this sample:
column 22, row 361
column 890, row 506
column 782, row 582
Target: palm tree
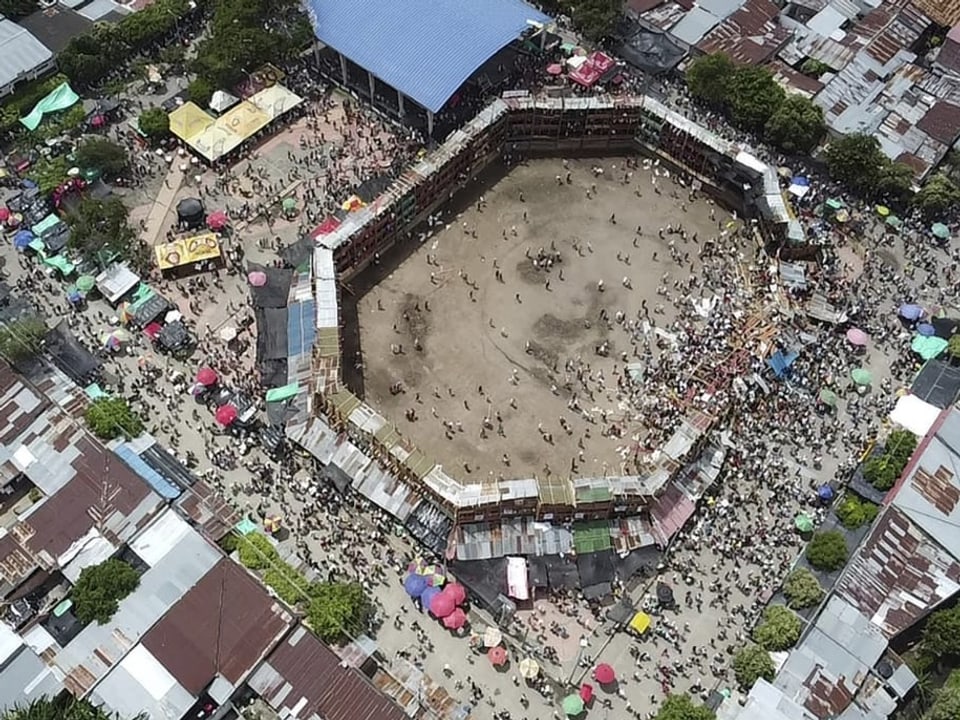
column 62, row 707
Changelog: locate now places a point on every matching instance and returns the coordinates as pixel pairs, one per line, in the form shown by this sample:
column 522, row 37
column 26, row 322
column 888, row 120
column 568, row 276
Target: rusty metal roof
column 750, row 36
column 898, row 575
column 942, row 12
column 942, row 122
column 224, row 625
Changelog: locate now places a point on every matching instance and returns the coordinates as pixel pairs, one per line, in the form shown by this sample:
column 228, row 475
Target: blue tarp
column 426, row 49
column 22, row 239
column 780, row 362
column 163, row 487
column 301, row 327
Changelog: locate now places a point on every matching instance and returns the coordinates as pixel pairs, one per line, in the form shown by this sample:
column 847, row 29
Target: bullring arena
column 442, row 489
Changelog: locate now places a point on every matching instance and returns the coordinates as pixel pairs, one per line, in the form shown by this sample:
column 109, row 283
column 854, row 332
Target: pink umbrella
column 206, row 377
column 226, row 414
column 217, row 220
column 604, row 674
column 857, row 337
column 257, row 278
column 456, row 591
column 586, row 692
column 554, row 69
column 442, row 605
column 4, row 214
column 455, row 620
column 497, row 655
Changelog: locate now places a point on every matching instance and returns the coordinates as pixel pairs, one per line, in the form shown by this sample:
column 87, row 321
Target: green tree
column 682, row 707
column 199, row 91
column 256, row 551
column 102, row 154
column 17, row 9
column 827, row 550
column 883, row 470
column 710, row 77
column 154, row 123
column 855, row 161
column 779, row 630
column 100, row 227
column 22, row 338
column 49, row 173
column 946, row 706
column 100, row 588
column 338, row 608
column 109, row 418
column 894, row 180
column 852, row 512
column 814, row 68
column 751, row 663
column 62, row 707
column 941, row 634
column 937, row 195
column 797, row 125
column 754, row 97
column 802, row 589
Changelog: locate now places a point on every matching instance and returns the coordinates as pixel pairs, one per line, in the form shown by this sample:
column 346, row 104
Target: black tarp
column 649, row 50
column 273, row 373
column 333, row 474
column 56, row 239
column 938, row 384
column 595, row 592
column 150, row 310
column 945, row 328
column 561, row 573
column 299, row 254
column 373, row 188
column 271, row 333
column 160, row 459
column 78, row 363
column 622, row 612
column 537, row 572
column 643, row 560
column 272, row 438
column 430, row 525
column 485, row 579
column 595, row 568
column 275, row 293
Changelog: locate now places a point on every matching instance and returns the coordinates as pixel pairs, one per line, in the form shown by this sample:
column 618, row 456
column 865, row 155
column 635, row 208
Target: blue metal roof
column 163, row 487
column 426, row 49
column 301, row 328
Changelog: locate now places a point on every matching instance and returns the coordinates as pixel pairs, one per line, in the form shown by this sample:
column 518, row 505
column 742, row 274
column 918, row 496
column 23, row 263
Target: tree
column 49, row 173
column 99, row 227
column 61, row 707
column 154, row 123
column 104, row 155
column 199, row 91
column 937, row 195
column 953, row 347
column 109, row 418
column 682, row 707
column 827, row 550
column 754, row 97
column 802, row 589
column 855, row 160
column 339, row 608
column 797, row 125
column 256, row 551
column 883, row 470
column 751, row 663
column 852, row 512
column 100, row 588
column 22, row 338
column 779, row 630
column 709, row 78
column 946, row 706
column 941, row 634
column 17, row 9
column 894, row 180
column 814, row 68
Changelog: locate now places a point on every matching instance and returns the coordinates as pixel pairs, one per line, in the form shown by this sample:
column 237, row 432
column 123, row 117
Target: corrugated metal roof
column 24, row 677
column 140, row 685
column 749, row 36
column 766, row 702
column 942, row 122
column 694, row 25
column 20, row 53
column 426, row 49
column 942, row 12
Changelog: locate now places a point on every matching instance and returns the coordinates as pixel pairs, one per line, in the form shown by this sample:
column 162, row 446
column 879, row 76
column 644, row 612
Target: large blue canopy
column 426, row 49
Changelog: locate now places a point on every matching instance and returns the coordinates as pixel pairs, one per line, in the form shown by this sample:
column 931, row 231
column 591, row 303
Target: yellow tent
column 188, row 121
column 640, row 623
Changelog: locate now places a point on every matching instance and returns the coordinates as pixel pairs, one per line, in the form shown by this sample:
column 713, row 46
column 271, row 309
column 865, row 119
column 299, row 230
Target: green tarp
column 928, row 347
column 61, row 98
column 60, row 263
column 48, row 223
column 144, row 292
column 246, row 526
column 95, row 392
column 282, row 393
column 37, row 245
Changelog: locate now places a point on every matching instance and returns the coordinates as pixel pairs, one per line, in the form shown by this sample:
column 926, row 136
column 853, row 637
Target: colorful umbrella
column 257, row 278
column 455, row 620
column 271, row 523
column 125, row 314
column 455, row 590
column 22, row 239
column 928, row 347
column 926, row 329
column 940, row 231
column 442, row 605
column 427, row 596
column 894, row 222
column 861, row 376
column 497, row 655
column 492, row 637
column 289, row 204
column 207, row 376
column 572, row 705
column 586, row 692
column 217, row 220
column 909, row 311
column 828, row 397
column 883, row 210
column 529, row 668
column 803, row 523
column 226, row 414
column 857, row 337
column 74, row 295
column 415, row 585
column 825, row 493
column 110, row 342
column 434, row 575
column 4, row 213
column 604, row 674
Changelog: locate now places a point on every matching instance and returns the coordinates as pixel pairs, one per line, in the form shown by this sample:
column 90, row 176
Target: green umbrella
column 828, row 397
column 928, row 347
column 835, row 204
column 289, row 204
column 573, row 705
column 894, row 222
column 803, row 523
column 861, row 376
column 85, row 283
column 940, row 230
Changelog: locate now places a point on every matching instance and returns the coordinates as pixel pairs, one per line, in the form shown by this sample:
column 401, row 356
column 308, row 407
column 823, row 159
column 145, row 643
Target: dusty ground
column 475, row 358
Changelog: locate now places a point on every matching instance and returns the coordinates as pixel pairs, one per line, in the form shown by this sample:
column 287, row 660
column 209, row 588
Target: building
column 22, row 56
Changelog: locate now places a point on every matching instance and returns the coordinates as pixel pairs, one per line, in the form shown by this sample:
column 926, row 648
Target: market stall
column 185, row 252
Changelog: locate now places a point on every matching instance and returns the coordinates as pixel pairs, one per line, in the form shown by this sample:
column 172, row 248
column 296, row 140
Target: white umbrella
column 492, row 637
column 228, row 333
column 173, row 316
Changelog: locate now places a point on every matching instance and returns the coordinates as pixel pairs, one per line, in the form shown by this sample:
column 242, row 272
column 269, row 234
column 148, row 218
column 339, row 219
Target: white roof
column 827, row 21
column 91, row 549
column 221, row 100
column 20, row 52
column 10, row 642
column 915, row 415
column 161, row 537
column 117, row 280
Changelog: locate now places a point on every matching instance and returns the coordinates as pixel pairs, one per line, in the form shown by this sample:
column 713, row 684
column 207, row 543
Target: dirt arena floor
column 494, row 348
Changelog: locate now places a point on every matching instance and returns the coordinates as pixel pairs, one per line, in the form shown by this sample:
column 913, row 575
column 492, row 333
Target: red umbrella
column 586, row 692
column 497, row 655
column 604, row 674
column 207, row 377
column 217, row 220
column 442, row 605
column 456, row 591
column 455, row 620
column 4, row 214
column 226, row 414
